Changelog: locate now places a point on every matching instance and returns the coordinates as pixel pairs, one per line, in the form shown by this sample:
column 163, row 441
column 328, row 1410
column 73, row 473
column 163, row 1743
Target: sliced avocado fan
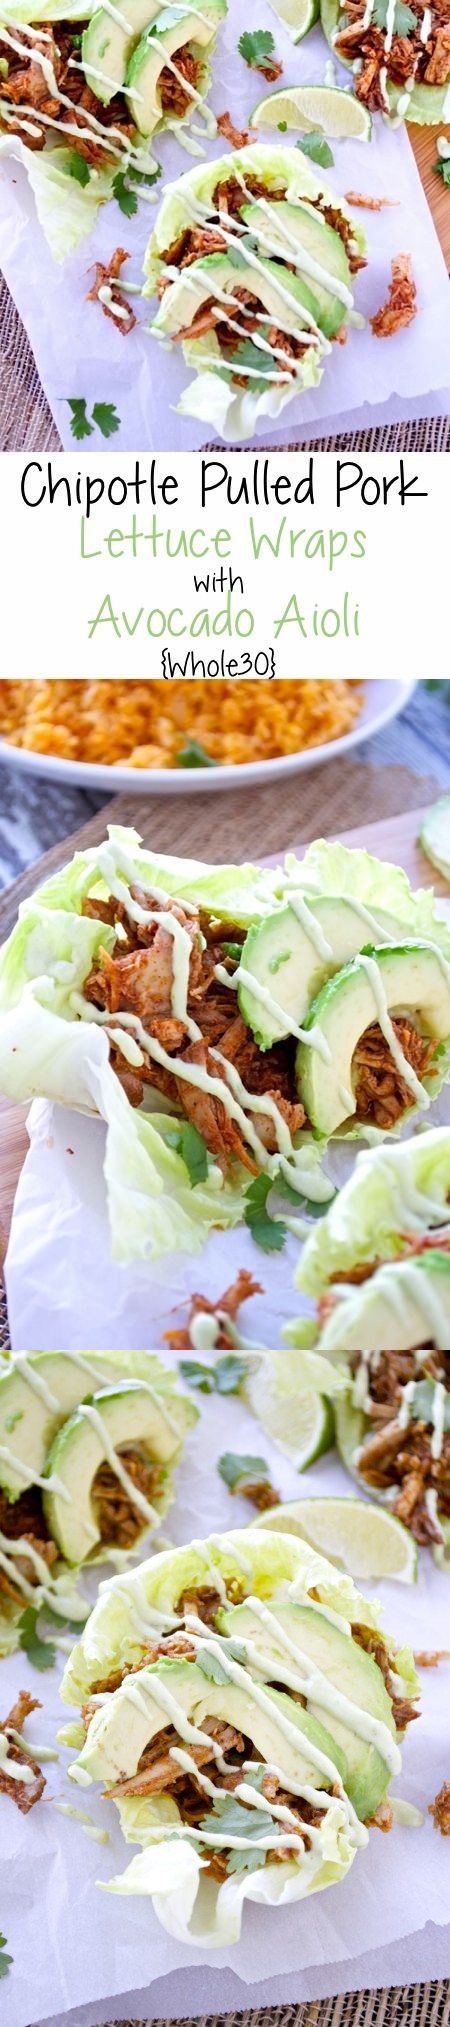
column 130, row 1414
column 412, row 979
column 37, row 1393
column 172, row 31
column 404, row 1306
column 293, row 952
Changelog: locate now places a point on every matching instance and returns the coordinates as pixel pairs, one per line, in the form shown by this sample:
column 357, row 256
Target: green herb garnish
column 225, row 1377
column 5, row 1961
column 317, row 148
column 268, row 1233
column 241, row 1473
column 77, row 168
column 192, row 754
column 41, row 1652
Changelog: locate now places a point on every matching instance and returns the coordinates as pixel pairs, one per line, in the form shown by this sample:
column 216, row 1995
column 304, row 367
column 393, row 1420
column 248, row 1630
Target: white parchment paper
column 79, row 352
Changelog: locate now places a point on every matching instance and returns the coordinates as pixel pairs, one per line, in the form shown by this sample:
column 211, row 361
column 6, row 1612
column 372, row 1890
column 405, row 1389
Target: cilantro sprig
column 242, row 1473
column 126, row 197
column 257, row 48
column 41, row 1652
column 190, row 1144
column 235, row 1820
column 5, row 1960
column 76, row 167
column 192, row 754
column 103, row 417
column 443, row 169
column 270, row 1233
column 225, row 1377
column 405, row 20
column 316, row 147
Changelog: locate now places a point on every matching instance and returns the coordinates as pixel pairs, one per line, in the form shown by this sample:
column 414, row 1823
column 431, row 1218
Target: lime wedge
column 320, row 106
column 434, row 836
column 301, row 1424
column 441, row 1549
column 296, row 15
column 364, row 1540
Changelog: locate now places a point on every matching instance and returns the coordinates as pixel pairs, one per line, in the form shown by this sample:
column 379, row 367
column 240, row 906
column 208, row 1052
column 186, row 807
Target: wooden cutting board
column 394, row 838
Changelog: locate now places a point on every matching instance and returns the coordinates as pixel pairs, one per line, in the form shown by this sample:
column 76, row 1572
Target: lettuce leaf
column 393, row 1310
column 66, row 210
column 393, row 1189
column 235, row 411
column 198, row 1910
column 354, row 874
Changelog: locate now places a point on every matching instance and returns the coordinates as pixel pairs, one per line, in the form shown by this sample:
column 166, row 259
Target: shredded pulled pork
column 26, row 87
column 440, row 1810
column 23, row 1792
column 24, row 1518
column 173, row 99
column 428, row 62
column 118, row 1519
column 400, row 307
column 238, row 137
column 137, row 978
column 403, row 1711
column 361, row 203
column 380, row 1090
column 227, row 1307
column 105, row 291
column 401, row 1458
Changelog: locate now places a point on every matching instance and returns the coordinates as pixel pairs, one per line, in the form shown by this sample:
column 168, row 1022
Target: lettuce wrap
column 252, row 257
column 222, row 1021
column 246, row 1720
column 88, row 1450
column 400, row 58
column 84, row 90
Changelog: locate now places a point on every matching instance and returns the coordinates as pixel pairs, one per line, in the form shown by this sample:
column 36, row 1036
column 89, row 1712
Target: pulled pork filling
column 158, row 1773
column 25, row 87
column 119, row 1521
column 27, row 1790
column 24, row 1519
column 228, row 200
column 137, row 977
column 408, row 57
column 403, row 1457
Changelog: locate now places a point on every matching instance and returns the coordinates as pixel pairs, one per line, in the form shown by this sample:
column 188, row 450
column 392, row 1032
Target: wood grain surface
column 394, row 838
column 423, row 141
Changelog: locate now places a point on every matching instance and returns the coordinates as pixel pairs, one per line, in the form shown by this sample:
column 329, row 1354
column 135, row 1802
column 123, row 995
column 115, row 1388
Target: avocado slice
column 404, row 1303
column 38, row 1392
column 411, row 978
column 107, row 45
column 292, row 954
column 122, row 1728
column 106, row 1422
column 347, row 1668
column 169, row 32
column 217, row 272
column 293, row 229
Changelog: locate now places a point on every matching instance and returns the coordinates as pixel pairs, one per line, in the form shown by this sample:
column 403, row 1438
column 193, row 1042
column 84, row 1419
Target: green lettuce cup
column 246, row 1719
column 85, row 90
column 253, row 259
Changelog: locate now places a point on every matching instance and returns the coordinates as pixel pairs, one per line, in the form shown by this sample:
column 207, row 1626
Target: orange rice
column 147, row 724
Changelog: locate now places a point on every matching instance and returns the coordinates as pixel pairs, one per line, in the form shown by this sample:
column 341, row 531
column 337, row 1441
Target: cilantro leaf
column 5, row 1961
column 237, row 1820
column 315, row 145
column 249, row 355
column 196, row 1375
column 192, row 754
column 80, row 426
column 422, row 1404
column 211, row 1666
column 442, row 169
column 240, row 1471
column 77, row 168
column 233, row 950
column 222, row 1378
column 268, row 1233
column 229, row 1372
column 194, row 1153
column 255, row 46
column 41, row 1653
column 105, row 415
column 125, row 198
column 405, row 21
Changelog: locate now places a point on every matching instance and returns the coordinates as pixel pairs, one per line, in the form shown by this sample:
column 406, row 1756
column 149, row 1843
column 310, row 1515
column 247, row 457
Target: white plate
column 382, row 702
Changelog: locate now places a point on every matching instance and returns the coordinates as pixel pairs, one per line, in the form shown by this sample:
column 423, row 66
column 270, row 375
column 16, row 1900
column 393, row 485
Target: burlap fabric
column 400, row 2006
column 27, row 423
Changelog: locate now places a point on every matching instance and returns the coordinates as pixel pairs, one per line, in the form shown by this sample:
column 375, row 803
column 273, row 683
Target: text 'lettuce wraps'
column 224, row 1021
column 252, row 258
column 88, row 1449
column 399, row 55
column 381, row 1269
column 245, row 1717
column 85, row 89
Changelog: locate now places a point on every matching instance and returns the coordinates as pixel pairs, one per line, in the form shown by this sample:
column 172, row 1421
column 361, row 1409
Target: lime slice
column 364, row 1540
column 301, row 1424
column 314, row 106
column 434, row 836
column 296, row 15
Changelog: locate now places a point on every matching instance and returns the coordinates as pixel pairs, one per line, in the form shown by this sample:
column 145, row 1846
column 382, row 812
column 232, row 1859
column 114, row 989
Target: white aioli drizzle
column 305, row 262
column 35, row 1381
column 312, row 1036
column 50, row 1484
column 194, row 281
column 387, row 1028
column 439, row 1401
column 16, row 1770
column 314, row 1684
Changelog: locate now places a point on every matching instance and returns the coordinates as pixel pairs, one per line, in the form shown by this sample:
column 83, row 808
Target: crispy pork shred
column 24, row 1792
column 400, row 1460
column 118, row 1519
column 23, row 1519
column 225, row 1310
column 400, row 307
column 362, row 203
column 381, row 1093
column 409, row 57
column 440, row 1810
column 106, row 290
column 238, row 137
